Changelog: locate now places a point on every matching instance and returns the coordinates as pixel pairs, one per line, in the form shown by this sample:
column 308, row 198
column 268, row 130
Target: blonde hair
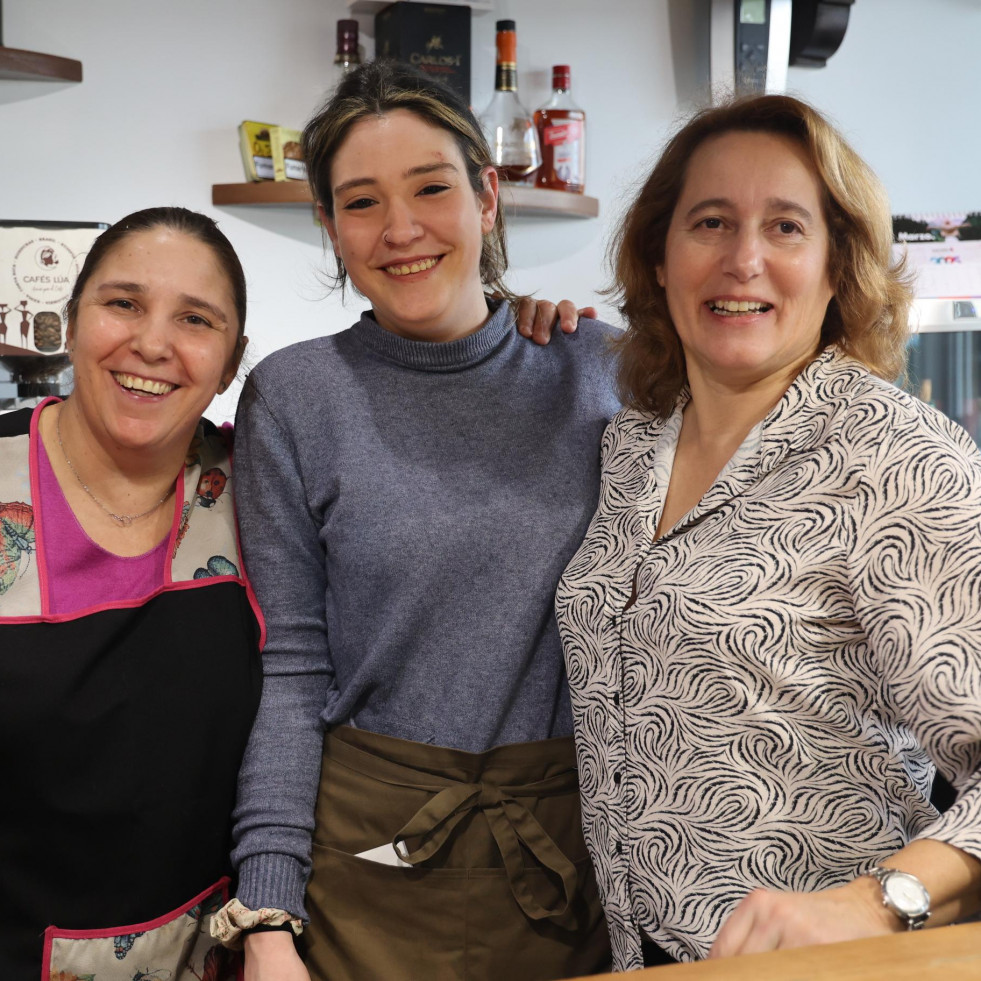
column 383, row 86
column 868, row 315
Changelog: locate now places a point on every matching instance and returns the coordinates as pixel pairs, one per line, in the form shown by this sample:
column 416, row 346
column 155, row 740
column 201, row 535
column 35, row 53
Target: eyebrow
column 411, row 172
column 773, row 204
column 185, row 299
column 189, row 300
column 119, row 284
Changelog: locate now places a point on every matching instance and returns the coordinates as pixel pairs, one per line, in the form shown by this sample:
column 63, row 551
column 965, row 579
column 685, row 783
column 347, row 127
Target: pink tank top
column 82, row 574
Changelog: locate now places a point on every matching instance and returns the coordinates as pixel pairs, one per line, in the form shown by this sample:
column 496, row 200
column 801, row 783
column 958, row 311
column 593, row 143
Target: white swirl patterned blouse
column 762, row 694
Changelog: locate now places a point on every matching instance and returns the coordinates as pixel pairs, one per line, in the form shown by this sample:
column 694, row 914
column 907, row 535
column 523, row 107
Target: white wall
column 905, row 89
column 166, row 84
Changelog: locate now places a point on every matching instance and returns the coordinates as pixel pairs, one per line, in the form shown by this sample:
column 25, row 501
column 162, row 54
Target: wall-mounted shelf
column 517, row 200
column 30, row 66
column 262, row 192
column 373, row 6
column 33, row 66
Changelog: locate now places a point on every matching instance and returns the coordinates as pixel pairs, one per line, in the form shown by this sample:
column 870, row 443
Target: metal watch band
column 913, row 921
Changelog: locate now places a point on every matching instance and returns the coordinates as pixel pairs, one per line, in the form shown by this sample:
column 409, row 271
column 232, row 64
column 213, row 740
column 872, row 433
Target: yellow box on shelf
column 256, row 150
column 288, row 164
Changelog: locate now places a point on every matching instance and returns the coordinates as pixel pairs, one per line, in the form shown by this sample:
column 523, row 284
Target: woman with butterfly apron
column 410, row 490
column 129, row 672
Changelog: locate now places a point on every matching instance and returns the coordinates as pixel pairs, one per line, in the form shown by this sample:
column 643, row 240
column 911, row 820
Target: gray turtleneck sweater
column 406, row 511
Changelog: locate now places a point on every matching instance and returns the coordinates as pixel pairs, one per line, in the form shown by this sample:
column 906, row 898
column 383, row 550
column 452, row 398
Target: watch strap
column 913, row 921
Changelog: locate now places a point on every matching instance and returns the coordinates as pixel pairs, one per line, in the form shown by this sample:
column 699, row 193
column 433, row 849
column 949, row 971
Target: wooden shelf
column 517, row 200
column 262, row 192
column 373, row 6
column 33, row 66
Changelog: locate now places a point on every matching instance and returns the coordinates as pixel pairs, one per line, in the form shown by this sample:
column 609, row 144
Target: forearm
column 924, row 635
column 274, row 814
column 279, row 776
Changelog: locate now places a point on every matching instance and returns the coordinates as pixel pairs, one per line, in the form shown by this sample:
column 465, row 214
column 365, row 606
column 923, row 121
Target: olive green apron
column 498, row 882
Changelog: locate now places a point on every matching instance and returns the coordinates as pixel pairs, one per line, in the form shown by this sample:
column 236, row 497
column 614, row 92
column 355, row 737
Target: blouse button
column 616, row 778
column 616, row 699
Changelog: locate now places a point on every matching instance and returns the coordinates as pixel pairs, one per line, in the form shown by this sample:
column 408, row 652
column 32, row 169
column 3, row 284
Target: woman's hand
column 767, row 920
column 271, row 956
column 536, row 319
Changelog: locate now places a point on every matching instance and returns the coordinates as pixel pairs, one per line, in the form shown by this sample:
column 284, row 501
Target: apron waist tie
column 512, row 826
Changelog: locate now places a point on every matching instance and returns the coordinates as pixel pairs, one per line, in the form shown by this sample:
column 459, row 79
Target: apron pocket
column 370, row 920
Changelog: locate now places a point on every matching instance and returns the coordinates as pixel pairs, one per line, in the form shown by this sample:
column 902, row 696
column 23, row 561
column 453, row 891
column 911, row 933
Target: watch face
column 906, row 894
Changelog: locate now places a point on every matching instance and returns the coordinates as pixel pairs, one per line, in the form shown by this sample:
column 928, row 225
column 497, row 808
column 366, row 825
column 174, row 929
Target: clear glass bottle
column 561, row 128
column 508, row 126
column 348, row 55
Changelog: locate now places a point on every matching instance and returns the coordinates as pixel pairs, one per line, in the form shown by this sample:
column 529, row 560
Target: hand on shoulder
column 537, row 319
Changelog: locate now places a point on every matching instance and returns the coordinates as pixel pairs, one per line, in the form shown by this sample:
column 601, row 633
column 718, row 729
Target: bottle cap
column 506, row 43
column 561, row 76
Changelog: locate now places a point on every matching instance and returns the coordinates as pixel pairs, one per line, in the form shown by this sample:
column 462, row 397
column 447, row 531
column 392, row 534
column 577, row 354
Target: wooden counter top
column 942, row 954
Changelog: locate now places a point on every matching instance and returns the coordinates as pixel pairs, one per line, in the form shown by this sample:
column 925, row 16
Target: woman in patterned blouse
column 773, row 627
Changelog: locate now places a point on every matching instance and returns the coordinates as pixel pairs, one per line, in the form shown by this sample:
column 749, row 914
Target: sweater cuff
column 273, row 881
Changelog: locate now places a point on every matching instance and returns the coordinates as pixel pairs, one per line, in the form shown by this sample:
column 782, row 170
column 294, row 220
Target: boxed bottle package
column 256, row 150
column 433, row 37
column 287, row 157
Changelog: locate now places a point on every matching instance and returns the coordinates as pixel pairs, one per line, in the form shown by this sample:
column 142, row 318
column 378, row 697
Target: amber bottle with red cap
column 561, row 128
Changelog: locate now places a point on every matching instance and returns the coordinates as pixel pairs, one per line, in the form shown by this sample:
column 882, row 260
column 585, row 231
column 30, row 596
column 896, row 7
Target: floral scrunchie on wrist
column 230, row 924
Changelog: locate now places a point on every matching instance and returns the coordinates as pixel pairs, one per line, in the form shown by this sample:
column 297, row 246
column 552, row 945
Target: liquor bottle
column 561, row 128
column 348, row 56
column 508, row 126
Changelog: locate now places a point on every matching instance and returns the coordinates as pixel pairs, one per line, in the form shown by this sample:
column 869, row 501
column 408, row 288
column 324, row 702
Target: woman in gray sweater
column 410, row 491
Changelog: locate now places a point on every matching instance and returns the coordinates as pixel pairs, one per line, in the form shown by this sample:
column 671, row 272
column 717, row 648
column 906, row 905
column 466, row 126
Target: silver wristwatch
column 904, row 894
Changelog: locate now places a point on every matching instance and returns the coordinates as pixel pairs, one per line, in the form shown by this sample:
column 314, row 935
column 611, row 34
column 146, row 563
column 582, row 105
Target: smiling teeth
column 738, row 306
column 414, row 267
column 138, row 384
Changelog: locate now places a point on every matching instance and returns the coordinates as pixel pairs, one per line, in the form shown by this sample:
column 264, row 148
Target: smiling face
column 154, row 336
column 746, row 261
column 409, row 227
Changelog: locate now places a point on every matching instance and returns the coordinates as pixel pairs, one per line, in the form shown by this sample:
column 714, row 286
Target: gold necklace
column 124, row 520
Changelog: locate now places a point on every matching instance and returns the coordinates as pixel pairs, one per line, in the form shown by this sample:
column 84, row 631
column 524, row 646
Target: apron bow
column 513, row 826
